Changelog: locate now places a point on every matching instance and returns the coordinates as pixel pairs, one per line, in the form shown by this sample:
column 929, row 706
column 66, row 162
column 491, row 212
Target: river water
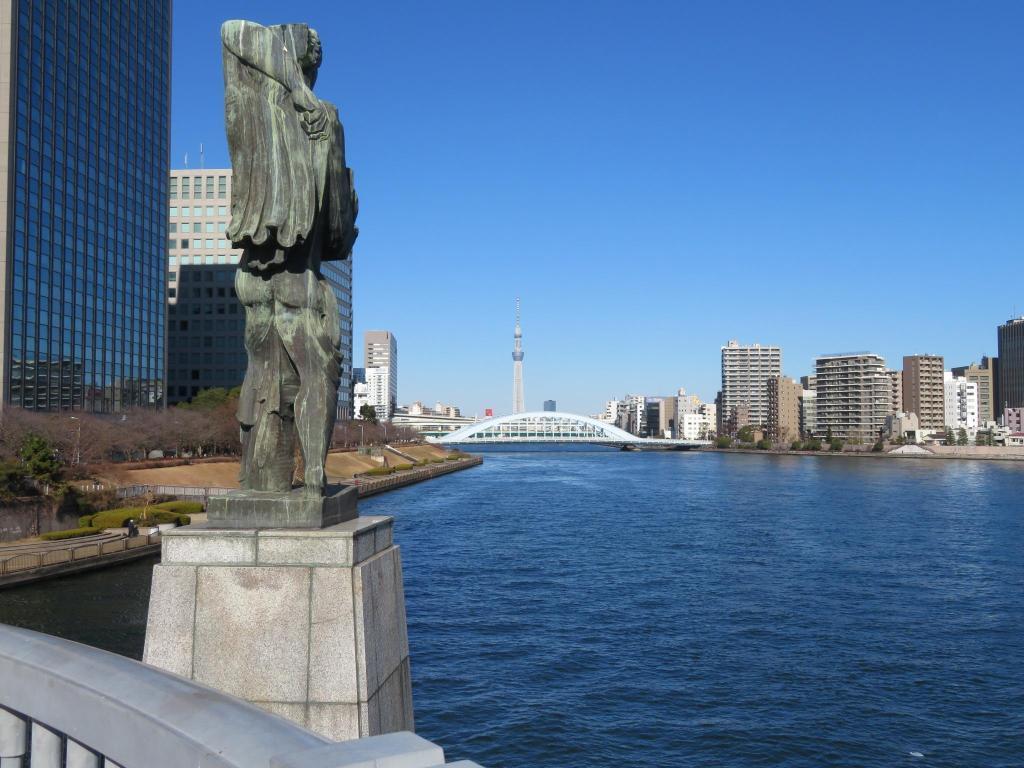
column 671, row 609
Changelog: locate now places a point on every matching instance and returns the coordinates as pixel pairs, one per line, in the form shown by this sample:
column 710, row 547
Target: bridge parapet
column 66, row 704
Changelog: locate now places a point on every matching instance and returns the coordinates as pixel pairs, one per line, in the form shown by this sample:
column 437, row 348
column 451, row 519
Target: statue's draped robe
column 288, row 190
column 282, row 181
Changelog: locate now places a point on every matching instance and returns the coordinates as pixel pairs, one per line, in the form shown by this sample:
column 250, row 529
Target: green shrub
column 835, row 444
column 764, row 444
column 180, row 507
column 437, row 461
column 74, row 533
column 401, row 467
column 723, row 442
column 796, row 445
column 118, row 518
column 878, row 447
column 376, row 471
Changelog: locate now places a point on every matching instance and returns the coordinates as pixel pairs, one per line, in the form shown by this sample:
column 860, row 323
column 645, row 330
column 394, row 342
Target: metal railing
column 65, row 704
column 191, row 491
column 72, row 552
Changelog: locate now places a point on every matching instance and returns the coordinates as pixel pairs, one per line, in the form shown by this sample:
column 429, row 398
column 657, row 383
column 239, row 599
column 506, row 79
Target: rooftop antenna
column 202, row 157
column 186, row 159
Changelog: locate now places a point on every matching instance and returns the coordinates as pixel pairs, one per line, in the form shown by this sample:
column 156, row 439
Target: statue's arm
column 264, row 51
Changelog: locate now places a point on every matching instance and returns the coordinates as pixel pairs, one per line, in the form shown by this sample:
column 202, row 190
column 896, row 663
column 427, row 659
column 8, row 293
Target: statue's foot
column 312, row 490
column 314, row 482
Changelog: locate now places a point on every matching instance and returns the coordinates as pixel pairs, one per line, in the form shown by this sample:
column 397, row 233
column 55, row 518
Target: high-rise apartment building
column 784, row 395
column 961, row 397
column 205, row 321
column 809, row 411
column 746, row 370
column 923, row 390
column 1011, row 365
column 380, row 357
column 84, row 127
column 896, row 386
column 984, row 375
column 854, row 396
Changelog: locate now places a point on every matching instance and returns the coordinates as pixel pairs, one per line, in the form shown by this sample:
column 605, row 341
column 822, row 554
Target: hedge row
column 178, row 512
column 74, row 533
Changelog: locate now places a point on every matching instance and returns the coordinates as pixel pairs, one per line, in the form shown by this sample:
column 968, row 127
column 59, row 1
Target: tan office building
column 784, row 409
column 923, row 390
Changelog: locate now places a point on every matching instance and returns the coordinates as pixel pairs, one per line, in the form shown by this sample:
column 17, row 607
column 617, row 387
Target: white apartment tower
column 380, row 350
column 746, row 370
column 961, row 398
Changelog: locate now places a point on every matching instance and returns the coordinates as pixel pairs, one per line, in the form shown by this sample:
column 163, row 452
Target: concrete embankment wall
column 22, row 518
column 933, row 452
column 369, row 486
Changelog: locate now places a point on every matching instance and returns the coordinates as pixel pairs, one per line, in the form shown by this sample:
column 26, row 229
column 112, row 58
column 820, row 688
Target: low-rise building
column 429, row 423
column 1013, row 419
column 903, row 426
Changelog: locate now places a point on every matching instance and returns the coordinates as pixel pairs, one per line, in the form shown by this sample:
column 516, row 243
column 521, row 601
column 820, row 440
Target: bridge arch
column 540, row 426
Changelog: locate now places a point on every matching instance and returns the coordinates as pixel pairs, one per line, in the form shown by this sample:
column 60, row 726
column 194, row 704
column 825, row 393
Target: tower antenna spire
column 517, row 366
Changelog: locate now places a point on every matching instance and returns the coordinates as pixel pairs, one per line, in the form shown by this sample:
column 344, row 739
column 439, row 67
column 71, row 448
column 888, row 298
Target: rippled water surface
column 666, row 609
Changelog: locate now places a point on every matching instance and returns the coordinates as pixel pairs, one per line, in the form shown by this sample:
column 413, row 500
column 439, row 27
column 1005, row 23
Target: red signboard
column 488, row 411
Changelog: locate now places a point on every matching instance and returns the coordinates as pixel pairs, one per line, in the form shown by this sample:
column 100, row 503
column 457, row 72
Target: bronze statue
column 293, row 207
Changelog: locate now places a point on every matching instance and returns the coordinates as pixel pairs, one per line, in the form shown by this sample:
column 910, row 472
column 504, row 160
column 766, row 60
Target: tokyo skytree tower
column 517, row 367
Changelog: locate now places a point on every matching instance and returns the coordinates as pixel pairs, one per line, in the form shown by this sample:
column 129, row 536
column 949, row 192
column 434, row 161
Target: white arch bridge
column 556, row 427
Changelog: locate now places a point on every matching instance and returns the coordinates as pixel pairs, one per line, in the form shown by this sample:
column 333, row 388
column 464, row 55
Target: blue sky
column 656, row 178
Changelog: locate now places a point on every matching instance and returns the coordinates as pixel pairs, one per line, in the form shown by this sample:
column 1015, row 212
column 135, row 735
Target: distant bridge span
column 555, row 427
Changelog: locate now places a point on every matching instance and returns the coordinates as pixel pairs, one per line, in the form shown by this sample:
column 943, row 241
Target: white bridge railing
column 66, row 705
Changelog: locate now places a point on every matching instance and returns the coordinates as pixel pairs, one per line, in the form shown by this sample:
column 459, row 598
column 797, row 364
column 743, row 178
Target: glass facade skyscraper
column 1011, row 365
column 85, row 112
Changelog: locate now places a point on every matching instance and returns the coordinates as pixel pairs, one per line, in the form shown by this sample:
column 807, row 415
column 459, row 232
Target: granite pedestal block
column 307, row 624
column 295, row 509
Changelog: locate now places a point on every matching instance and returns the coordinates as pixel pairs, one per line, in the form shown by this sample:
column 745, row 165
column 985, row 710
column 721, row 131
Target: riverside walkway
column 29, row 561
column 367, row 485
column 66, row 704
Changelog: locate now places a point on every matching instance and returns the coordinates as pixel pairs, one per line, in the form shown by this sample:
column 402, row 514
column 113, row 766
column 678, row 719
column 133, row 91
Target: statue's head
column 303, row 41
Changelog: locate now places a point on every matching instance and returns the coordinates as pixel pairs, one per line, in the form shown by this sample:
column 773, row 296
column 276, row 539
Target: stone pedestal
column 295, row 509
column 308, row 624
